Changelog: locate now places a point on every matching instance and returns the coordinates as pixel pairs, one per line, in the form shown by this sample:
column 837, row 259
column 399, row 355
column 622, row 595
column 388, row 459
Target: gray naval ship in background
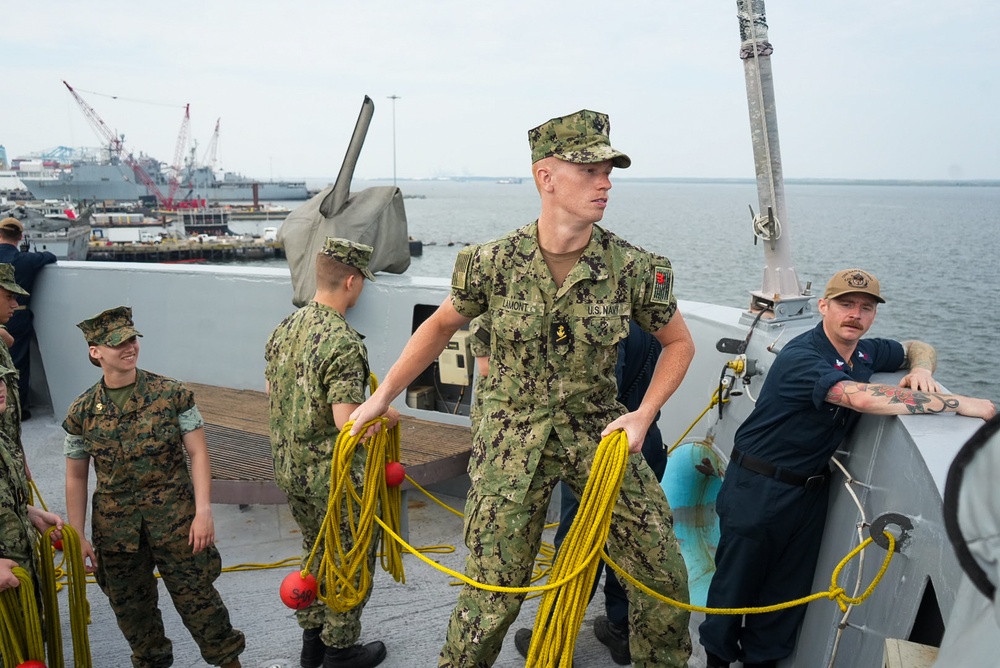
column 110, row 179
column 207, row 325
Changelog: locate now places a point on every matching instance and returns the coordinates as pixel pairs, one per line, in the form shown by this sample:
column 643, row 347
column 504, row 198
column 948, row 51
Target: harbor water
column 933, row 247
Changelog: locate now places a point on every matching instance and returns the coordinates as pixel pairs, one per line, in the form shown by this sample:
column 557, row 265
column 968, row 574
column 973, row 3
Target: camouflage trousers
column 128, row 581
column 503, row 538
column 340, row 629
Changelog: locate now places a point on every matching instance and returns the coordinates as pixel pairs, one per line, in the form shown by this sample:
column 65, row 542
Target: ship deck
column 410, row 619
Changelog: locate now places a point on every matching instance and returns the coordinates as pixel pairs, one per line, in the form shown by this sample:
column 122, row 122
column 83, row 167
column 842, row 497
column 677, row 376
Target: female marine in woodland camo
column 147, row 511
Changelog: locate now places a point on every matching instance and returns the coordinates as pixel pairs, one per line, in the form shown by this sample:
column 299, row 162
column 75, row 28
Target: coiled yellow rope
column 50, row 577
column 560, row 614
column 20, row 626
column 344, row 578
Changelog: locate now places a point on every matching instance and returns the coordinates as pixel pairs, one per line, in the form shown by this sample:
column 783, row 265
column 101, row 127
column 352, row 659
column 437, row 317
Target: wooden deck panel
column 236, row 428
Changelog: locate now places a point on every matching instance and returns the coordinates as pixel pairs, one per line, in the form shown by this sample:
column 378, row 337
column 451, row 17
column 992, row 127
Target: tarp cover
column 972, row 516
column 374, row 216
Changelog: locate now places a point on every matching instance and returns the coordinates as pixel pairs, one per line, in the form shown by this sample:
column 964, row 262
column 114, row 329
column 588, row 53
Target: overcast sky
column 865, row 89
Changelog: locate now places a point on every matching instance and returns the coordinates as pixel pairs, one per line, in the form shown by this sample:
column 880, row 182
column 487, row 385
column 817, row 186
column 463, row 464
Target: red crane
column 118, row 148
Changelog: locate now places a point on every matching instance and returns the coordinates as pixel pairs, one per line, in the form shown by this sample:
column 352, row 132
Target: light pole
column 394, row 97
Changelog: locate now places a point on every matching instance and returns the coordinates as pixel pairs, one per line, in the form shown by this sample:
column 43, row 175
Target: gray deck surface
column 410, row 619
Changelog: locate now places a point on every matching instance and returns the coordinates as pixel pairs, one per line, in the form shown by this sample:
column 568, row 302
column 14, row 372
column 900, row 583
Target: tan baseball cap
column 852, row 280
column 12, row 224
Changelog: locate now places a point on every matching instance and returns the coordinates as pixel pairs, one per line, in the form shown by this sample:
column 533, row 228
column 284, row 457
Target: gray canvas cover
column 972, row 508
column 374, row 216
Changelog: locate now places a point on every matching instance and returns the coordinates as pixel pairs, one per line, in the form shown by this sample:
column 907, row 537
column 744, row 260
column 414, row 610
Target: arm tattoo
column 914, row 402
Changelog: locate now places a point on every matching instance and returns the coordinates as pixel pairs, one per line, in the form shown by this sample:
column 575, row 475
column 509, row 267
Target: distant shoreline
column 981, row 183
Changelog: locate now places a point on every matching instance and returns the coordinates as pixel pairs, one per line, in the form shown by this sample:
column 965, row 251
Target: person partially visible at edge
column 317, row 375
column 10, row 417
column 560, row 293
column 27, row 264
column 149, row 512
column 773, row 501
column 18, row 520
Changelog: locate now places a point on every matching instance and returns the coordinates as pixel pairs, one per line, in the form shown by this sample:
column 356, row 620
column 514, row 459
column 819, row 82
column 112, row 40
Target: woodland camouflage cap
column 350, row 253
column 852, row 280
column 7, row 280
column 110, row 327
column 583, row 137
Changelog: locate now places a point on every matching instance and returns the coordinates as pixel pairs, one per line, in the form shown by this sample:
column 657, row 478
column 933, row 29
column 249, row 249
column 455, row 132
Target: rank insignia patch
column 663, row 285
column 561, row 335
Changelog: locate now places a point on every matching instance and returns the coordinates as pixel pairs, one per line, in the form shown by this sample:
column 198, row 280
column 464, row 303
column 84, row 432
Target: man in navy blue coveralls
column 26, row 267
column 773, row 501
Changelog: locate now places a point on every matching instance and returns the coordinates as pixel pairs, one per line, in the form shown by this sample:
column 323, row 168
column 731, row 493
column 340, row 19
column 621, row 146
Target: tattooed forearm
column 915, row 402
column 877, row 398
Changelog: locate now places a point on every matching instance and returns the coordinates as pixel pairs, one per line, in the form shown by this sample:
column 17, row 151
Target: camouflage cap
column 5, row 372
column 583, row 137
column 350, row 253
column 7, row 281
column 852, row 280
column 109, row 328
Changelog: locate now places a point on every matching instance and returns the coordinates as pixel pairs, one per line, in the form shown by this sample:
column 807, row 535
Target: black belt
column 751, row 463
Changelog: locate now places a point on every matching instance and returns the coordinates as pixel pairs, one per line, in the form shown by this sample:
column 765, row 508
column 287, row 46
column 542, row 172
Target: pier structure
column 187, row 251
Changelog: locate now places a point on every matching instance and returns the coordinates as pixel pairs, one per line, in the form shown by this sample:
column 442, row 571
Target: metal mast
column 780, row 291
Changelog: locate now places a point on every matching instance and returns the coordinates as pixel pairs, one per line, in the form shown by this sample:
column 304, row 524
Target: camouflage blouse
column 314, row 360
column 138, row 454
column 553, row 350
column 16, row 532
column 10, row 419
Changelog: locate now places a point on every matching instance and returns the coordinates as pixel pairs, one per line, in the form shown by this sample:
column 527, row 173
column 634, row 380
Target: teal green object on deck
column 691, row 483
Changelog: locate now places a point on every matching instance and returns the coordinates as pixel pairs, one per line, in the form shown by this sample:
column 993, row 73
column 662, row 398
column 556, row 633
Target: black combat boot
column 615, row 637
column 359, row 656
column 761, row 664
column 313, row 649
column 715, row 661
column 522, row 641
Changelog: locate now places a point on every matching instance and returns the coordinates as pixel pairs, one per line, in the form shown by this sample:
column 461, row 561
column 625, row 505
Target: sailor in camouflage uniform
column 560, row 293
column 18, row 520
column 317, row 374
column 148, row 511
column 10, row 419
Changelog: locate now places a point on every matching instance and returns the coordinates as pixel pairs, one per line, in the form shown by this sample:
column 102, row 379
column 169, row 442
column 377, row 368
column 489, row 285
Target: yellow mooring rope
column 343, row 577
column 79, row 606
column 20, row 626
column 50, row 580
column 560, row 614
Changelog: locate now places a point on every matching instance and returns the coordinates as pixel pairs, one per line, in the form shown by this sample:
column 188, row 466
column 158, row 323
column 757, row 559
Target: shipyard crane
column 213, row 144
column 117, row 147
column 177, row 167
